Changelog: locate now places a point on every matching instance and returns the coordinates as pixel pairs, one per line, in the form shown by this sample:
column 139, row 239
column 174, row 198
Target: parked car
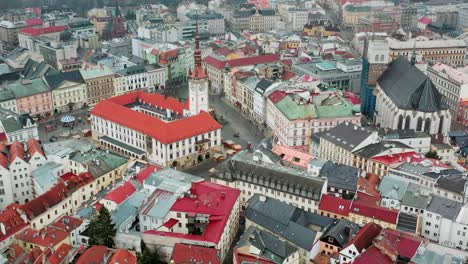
column 53, row 138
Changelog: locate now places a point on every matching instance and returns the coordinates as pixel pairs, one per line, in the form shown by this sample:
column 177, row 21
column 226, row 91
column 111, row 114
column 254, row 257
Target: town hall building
column 407, row 99
column 159, row 128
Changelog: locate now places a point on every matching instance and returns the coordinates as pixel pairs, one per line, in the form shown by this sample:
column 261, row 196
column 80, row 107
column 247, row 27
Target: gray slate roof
column 342, row 231
column 415, row 196
column 445, row 207
column 290, row 180
column 453, row 183
column 54, row 81
column 409, row 88
column 271, row 247
column 340, row 176
column 286, row 221
column 372, row 150
column 347, row 136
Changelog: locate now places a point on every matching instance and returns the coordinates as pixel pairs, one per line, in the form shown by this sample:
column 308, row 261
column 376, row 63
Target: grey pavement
column 44, row 135
column 248, row 132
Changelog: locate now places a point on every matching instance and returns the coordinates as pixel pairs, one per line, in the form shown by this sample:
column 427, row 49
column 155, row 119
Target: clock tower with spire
column 198, row 82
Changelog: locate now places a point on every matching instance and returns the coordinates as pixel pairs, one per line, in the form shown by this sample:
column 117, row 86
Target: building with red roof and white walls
column 11, row 223
column 194, row 254
column 102, row 254
column 162, row 129
column 360, row 242
column 17, row 161
column 186, row 209
column 215, row 66
column 118, row 195
column 26, row 35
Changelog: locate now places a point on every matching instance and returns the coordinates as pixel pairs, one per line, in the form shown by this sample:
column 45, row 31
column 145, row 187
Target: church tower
column 198, row 82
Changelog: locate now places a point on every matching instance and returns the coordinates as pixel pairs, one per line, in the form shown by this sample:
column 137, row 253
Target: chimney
column 408, row 159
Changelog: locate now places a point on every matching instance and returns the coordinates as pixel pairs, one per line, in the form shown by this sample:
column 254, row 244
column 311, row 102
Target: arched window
column 400, row 122
column 441, row 124
column 419, row 125
column 382, row 57
column 407, row 122
column 376, row 57
column 427, row 125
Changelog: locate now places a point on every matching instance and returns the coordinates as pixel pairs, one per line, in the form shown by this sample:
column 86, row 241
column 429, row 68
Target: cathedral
column 115, row 28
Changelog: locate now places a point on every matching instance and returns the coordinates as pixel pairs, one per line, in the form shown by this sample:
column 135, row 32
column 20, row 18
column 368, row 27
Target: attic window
column 341, row 207
column 296, row 159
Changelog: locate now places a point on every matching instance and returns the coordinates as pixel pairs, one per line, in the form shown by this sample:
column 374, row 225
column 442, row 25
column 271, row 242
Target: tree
column 130, row 15
column 101, row 229
column 146, row 256
column 432, row 155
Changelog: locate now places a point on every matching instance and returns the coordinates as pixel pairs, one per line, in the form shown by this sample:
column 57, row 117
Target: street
column 234, row 121
column 45, row 136
column 248, row 132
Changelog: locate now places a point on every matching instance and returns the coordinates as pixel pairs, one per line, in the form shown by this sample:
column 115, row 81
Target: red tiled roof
column 374, row 211
column 49, row 237
column 170, row 223
column 152, row 99
column 31, row 256
column 188, row 253
column 121, row 193
column 287, row 62
column 14, row 252
column 367, row 198
column 277, row 96
column 67, row 176
column 3, row 137
column 142, row 175
column 16, row 151
column 12, row 221
column 208, row 198
column 368, row 186
column 291, row 155
column 33, row 22
column 164, row 132
column 372, row 256
column 122, row 256
column 393, row 242
column 67, row 223
column 219, row 64
column 287, row 75
column 3, row 160
column 364, row 237
column 42, row 31
column 223, row 51
column 34, row 146
column 94, row 254
column 168, row 55
column 425, row 20
column 334, row 205
column 352, row 98
column 244, row 258
column 394, row 158
column 42, row 203
column 77, row 181
column 59, row 255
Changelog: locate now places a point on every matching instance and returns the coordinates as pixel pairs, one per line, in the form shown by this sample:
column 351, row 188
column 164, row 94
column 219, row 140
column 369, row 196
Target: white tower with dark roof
column 198, row 82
